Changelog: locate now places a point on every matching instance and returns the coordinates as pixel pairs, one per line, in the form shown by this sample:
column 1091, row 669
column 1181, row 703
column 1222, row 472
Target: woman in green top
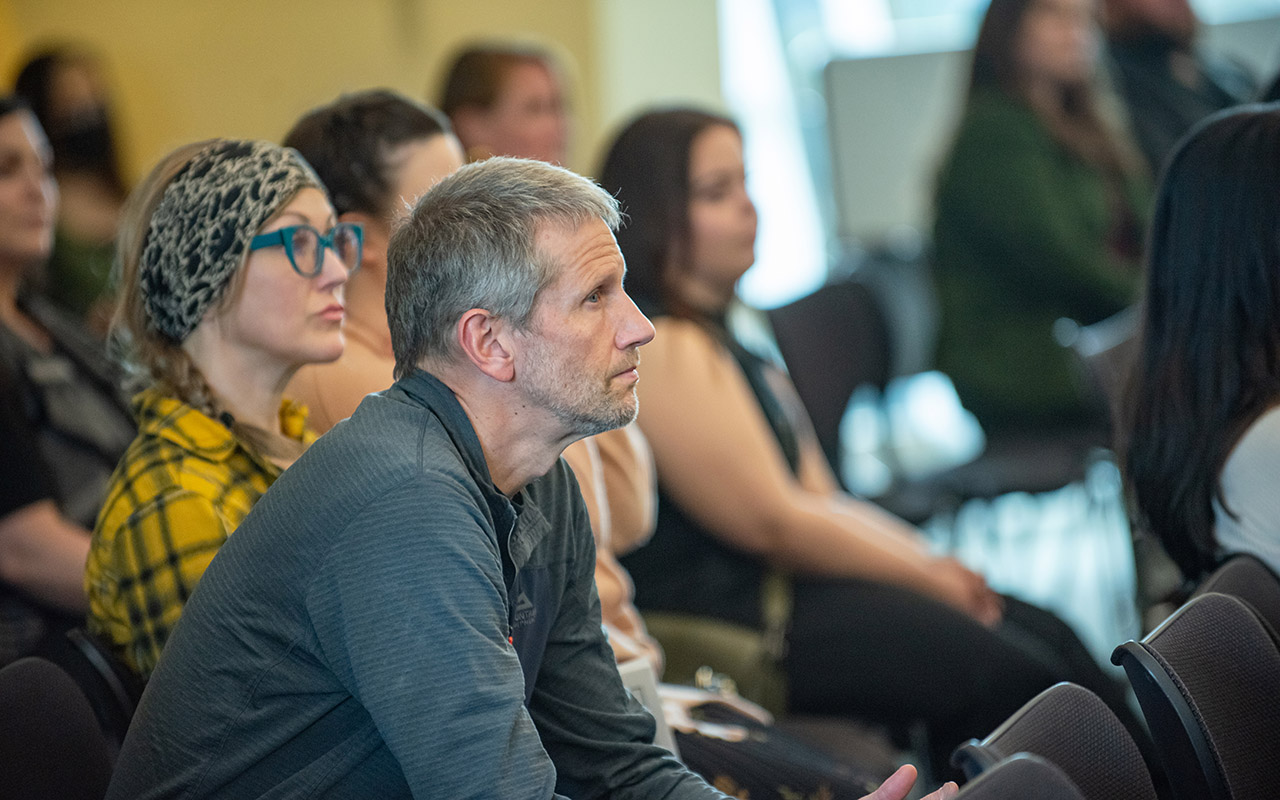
column 1040, row 211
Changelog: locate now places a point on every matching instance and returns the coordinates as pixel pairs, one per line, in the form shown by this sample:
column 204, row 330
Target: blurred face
column 277, row 316
column 420, row 165
column 28, row 194
column 527, row 120
column 77, row 124
column 1057, row 41
column 722, row 218
column 578, row 358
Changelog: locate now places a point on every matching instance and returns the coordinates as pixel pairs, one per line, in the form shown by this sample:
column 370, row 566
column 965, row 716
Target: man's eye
column 594, row 297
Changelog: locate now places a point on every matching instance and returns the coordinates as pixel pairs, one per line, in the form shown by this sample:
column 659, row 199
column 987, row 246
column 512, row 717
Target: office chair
column 1245, row 577
column 1021, row 777
column 1072, row 728
column 50, row 742
column 1208, row 681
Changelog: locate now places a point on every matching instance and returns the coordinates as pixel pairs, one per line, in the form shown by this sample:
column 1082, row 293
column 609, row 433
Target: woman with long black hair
column 1202, row 439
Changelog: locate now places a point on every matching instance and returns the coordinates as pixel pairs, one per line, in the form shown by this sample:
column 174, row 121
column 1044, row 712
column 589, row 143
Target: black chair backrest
column 1208, row 681
column 112, row 688
column 833, row 341
column 1245, row 577
column 50, row 742
column 1022, row 777
column 1071, row 727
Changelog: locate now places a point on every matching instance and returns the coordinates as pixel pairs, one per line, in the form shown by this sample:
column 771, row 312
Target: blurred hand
column 899, row 783
column 967, row 590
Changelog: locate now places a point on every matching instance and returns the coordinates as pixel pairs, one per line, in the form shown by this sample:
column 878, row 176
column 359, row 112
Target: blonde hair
column 152, row 359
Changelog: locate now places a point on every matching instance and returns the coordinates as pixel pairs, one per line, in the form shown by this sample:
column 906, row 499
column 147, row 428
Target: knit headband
column 201, row 227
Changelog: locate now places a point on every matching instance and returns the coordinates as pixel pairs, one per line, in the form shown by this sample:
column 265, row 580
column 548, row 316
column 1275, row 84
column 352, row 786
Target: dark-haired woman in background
column 61, row 421
column 66, row 90
column 879, row 626
column 1040, row 214
column 1202, row 440
column 376, row 152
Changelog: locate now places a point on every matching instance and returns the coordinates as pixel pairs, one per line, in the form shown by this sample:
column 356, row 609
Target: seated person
column 410, row 610
column 1201, row 444
column 232, row 275
column 741, row 751
column 67, row 91
column 507, row 99
column 376, row 152
column 63, row 424
column 749, row 505
column 1165, row 80
column 1040, row 211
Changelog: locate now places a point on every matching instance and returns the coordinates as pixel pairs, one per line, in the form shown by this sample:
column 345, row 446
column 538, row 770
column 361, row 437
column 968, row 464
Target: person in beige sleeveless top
column 376, row 152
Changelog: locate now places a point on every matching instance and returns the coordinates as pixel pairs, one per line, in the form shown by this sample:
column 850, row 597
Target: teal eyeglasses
column 305, row 246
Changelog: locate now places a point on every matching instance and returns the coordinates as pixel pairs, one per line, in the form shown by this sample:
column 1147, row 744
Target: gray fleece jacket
column 386, row 624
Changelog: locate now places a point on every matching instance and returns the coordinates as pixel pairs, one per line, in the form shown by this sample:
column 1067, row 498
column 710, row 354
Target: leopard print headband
column 201, row 228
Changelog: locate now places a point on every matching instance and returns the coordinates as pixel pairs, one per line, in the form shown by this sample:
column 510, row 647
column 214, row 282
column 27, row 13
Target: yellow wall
column 188, row 70
column 655, row 52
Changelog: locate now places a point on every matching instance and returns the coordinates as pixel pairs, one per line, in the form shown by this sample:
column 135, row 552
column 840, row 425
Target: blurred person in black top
column 61, row 421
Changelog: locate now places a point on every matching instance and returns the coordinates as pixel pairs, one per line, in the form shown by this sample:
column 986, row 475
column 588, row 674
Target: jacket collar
column 429, row 391
column 174, row 421
column 520, row 524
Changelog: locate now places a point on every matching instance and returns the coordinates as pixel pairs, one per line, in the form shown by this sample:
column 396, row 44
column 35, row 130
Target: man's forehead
column 575, row 247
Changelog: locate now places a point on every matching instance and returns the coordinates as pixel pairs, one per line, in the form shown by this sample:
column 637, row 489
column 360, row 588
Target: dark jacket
column 354, row 637
column 1168, row 89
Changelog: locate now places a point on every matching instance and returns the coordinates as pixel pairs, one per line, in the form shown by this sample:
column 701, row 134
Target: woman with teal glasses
column 232, row 268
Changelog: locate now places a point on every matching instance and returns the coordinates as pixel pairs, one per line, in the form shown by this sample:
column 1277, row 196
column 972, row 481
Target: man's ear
column 483, row 337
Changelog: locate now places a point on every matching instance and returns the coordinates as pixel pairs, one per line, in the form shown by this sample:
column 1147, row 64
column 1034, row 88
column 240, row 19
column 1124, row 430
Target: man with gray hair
column 410, row 610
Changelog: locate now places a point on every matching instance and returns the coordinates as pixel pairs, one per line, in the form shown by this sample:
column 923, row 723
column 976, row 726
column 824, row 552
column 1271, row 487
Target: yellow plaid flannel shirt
column 182, row 487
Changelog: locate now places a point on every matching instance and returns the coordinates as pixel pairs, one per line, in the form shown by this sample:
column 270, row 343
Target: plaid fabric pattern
column 182, row 487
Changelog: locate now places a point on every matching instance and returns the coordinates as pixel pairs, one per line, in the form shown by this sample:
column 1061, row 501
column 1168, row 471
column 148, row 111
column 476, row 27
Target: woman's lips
column 333, row 313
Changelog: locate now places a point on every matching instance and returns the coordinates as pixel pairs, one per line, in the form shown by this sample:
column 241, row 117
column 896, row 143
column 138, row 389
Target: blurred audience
column 507, row 99
column 66, row 89
column 879, row 627
column 1040, row 211
column 232, row 269
column 62, row 421
column 1167, row 83
column 376, row 152
column 1202, row 440
column 409, row 611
